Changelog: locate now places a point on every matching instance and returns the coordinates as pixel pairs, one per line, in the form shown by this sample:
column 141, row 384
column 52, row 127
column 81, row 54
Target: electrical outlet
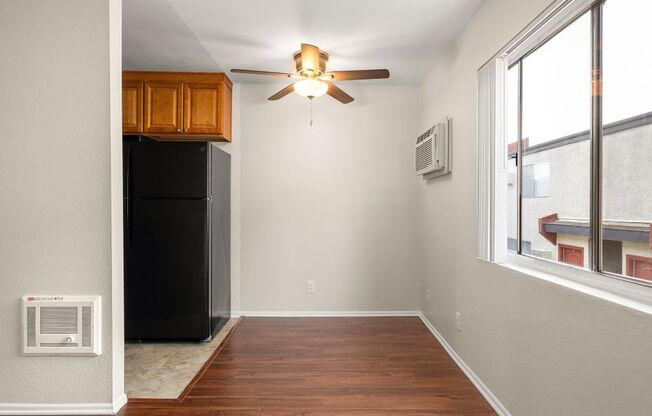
column 311, row 288
column 458, row 321
column 428, row 295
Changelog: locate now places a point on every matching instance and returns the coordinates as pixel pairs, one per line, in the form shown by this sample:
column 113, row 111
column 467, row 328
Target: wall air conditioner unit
column 61, row 325
column 433, row 151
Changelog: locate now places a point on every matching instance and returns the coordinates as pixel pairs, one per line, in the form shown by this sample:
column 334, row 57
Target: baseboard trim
column 56, row 409
column 472, row 376
column 119, row 403
column 19, row 409
column 322, row 314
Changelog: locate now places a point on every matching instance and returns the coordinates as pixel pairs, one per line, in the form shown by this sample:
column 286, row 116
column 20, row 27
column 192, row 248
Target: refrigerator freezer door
column 166, row 170
column 166, row 269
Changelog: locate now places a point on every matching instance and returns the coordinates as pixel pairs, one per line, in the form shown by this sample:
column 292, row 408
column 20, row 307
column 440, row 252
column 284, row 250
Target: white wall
column 334, row 202
column 541, row 348
column 56, row 176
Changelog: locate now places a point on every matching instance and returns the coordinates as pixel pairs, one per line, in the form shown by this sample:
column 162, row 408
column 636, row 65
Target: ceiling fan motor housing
column 323, row 60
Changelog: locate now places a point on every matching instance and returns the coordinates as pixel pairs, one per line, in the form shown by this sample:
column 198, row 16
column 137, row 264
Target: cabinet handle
column 178, row 130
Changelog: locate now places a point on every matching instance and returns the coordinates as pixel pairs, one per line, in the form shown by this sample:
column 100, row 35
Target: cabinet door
column 132, row 107
column 201, row 108
column 163, row 107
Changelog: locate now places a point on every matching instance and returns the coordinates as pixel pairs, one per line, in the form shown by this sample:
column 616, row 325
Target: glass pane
column 627, row 138
column 536, row 180
column 556, row 147
column 512, row 137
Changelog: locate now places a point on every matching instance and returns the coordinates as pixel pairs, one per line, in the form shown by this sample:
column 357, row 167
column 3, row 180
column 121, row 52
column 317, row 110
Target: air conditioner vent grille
column 31, row 326
column 86, row 326
column 62, row 325
column 432, row 156
column 58, row 344
column 424, row 155
column 58, row 320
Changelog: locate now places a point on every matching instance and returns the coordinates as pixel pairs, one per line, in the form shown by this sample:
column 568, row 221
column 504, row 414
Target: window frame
column 492, row 156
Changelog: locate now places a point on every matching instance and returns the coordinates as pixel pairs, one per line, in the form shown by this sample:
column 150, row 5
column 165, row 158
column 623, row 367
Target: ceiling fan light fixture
column 311, row 88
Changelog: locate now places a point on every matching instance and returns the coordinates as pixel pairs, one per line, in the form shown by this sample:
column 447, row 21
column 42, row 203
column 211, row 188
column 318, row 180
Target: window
column 571, row 255
column 512, row 133
column 536, row 180
column 569, row 102
column 639, row 267
column 627, row 136
column 612, row 256
column 554, row 116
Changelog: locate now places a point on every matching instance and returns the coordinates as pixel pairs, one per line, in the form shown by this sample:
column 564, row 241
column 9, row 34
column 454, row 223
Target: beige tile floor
column 163, row 370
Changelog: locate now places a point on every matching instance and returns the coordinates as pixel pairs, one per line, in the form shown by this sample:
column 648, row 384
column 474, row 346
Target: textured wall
column 55, row 179
column 541, row 348
column 334, row 203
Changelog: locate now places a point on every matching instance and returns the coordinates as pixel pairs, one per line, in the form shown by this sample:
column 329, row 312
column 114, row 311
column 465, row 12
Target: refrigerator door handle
column 128, row 213
column 128, row 173
column 130, row 225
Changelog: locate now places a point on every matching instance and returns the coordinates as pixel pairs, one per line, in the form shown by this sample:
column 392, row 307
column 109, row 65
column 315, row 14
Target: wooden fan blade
column 309, row 57
column 268, row 73
column 338, row 94
column 285, row 91
column 359, row 74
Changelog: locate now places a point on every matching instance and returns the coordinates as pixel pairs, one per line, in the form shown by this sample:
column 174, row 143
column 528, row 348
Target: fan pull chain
column 310, row 113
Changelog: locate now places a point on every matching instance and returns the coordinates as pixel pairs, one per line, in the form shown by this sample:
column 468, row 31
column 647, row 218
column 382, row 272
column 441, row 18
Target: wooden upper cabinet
column 201, row 104
column 132, row 107
column 178, row 105
column 163, row 107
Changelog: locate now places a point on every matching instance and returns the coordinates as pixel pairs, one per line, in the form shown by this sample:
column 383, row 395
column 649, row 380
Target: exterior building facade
column 556, row 198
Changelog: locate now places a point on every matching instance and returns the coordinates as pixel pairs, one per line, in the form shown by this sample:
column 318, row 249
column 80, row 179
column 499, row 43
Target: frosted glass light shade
column 311, row 88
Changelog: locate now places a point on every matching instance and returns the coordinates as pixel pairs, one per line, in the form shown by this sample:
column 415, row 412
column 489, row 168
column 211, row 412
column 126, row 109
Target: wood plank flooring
column 326, row 367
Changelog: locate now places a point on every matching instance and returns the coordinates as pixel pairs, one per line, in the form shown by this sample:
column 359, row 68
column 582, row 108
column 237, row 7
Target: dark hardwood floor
column 326, row 367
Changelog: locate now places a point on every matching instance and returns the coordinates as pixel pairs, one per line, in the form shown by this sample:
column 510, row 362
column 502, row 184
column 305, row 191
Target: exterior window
column 512, row 142
column 639, row 267
column 612, row 256
column 555, row 150
column 627, row 136
column 571, row 255
column 526, row 246
column 536, row 180
column 578, row 134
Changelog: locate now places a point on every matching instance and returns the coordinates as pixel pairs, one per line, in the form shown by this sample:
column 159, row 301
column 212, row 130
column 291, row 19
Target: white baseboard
column 482, row 388
column 56, row 409
column 17, row 409
column 119, row 403
column 322, row 314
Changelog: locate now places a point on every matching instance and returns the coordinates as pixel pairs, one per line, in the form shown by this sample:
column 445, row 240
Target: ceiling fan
column 312, row 78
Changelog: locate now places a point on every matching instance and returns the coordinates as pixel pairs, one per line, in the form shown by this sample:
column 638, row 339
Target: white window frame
column 492, row 170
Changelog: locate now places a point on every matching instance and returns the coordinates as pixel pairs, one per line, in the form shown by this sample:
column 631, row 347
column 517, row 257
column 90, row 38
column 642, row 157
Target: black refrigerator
column 177, row 278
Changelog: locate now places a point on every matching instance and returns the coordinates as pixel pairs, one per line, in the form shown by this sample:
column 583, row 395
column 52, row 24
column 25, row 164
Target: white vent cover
column 432, row 152
column 61, row 325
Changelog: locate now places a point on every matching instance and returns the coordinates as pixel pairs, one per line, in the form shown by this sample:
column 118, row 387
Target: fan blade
column 359, row 74
column 338, row 94
column 253, row 72
column 285, row 91
column 309, row 57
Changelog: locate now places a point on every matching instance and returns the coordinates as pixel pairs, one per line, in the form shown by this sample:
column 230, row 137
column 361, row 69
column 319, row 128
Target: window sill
column 624, row 293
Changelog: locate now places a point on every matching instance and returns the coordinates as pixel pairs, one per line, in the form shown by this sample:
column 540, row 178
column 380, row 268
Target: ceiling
column 403, row 36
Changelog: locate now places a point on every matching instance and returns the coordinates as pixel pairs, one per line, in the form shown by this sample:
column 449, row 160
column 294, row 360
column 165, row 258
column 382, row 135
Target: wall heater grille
column 61, row 325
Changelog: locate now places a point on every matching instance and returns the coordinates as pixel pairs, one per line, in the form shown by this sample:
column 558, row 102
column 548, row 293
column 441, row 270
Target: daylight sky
column 557, row 77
